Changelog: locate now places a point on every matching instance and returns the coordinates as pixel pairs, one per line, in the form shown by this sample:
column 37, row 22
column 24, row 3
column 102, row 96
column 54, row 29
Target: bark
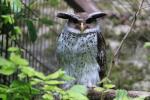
column 95, row 95
column 82, row 5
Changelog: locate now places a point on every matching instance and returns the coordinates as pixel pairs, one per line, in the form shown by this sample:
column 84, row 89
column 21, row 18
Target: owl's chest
column 77, row 44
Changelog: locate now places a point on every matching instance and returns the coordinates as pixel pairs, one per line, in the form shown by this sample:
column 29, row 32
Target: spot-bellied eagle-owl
column 81, row 48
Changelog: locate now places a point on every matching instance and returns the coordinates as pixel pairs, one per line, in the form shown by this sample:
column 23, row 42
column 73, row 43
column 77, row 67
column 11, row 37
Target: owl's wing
column 101, row 55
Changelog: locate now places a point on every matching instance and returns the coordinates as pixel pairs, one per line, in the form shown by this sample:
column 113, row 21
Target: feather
column 101, row 55
column 67, row 16
column 94, row 16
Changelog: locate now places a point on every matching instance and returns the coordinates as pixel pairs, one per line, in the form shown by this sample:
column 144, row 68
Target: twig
column 132, row 25
column 124, row 38
column 28, row 8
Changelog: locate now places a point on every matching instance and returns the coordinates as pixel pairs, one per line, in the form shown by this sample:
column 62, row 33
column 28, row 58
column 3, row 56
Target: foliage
column 13, row 11
column 31, row 82
column 120, row 94
column 107, row 84
column 9, row 14
column 32, row 30
column 123, row 95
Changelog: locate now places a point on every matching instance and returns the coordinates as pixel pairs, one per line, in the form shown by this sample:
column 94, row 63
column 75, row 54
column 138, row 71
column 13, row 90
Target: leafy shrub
column 32, row 83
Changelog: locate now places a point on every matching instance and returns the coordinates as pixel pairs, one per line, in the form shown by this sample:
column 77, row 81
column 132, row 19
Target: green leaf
column 79, row 89
column 109, row 86
column 54, row 82
column 6, row 67
column 66, row 97
column 67, row 78
column 36, row 81
column 53, row 89
column 17, row 30
column 49, row 87
column 18, row 97
column 3, row 89
column 121, row 95
column 147, row 45
column 17, row 83
column 105, row 80
column 18, row 60
column 73, row 95
column 3, row 96
column 99, row 89
column 7, row 70
column 40, row 75
column 55, row 75
column 59, row 74
column 20, row 87
column 16, row 5
column 13, row 49
column 35, row 91
column 4, row 86
column 8, row 19
column 22, row 76
column 4, row 62
column 46, row 21
column 32, row 30
column 28, row 71
column 48, row 97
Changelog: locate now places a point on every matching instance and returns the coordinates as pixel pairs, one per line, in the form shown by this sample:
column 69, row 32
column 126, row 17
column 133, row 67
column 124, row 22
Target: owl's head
column 82, row 22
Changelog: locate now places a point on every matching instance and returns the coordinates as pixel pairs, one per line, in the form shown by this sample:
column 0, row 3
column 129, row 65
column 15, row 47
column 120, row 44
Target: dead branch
column 110, row 95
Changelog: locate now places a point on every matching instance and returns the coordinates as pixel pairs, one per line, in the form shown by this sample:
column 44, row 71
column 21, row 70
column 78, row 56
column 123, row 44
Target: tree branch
column 82, row 5
column 110, row 95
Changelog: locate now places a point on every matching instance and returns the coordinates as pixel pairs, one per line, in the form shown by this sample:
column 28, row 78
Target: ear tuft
column 96, row 15
column 67, row 16
column 63, row 15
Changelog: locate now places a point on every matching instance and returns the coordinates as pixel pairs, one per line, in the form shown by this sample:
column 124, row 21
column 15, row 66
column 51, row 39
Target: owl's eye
column 91, row 21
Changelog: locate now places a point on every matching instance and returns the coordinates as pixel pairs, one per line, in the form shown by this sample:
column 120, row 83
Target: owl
column 81, row 48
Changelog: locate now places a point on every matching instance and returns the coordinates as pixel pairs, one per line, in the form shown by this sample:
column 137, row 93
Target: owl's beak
column 82, row 27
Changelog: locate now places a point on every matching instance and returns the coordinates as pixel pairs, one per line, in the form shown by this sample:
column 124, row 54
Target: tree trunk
column 82, row 5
